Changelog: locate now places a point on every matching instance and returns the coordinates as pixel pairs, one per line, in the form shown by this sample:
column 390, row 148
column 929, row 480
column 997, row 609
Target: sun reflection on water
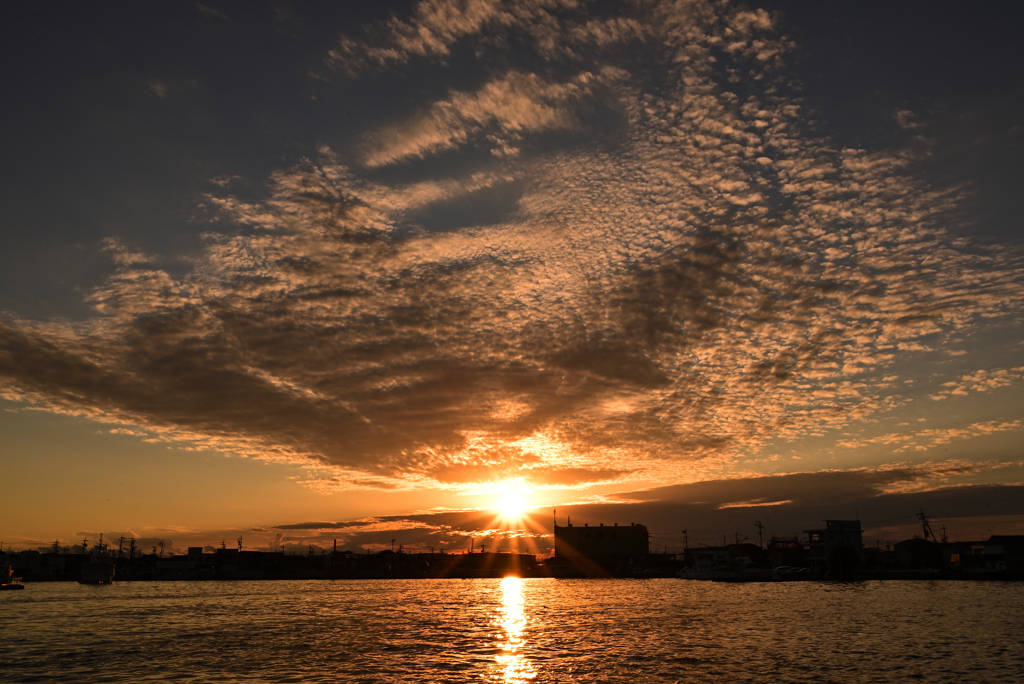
column 512, row 620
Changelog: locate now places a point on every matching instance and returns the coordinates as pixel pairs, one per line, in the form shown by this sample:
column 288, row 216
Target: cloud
column 371, row 525
column 982, row 381
column 121, row 255
column 810, row 488
column 435, row 26
column 553, row 28
column 158, row 88
column 921, row 440
column 756, row 503
column 210, row 13
column 906, row 120
column 125, row 431
column 506, row 108
column 663, row 299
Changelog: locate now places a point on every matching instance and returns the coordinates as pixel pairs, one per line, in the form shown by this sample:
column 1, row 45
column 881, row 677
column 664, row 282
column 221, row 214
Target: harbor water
column 513, row 630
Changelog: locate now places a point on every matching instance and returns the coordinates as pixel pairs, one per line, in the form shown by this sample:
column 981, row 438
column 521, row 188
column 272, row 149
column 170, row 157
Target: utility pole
column 945, row 539
column 393, row 545
column 760, row 533
column 686, row 541
column 925, row 527
column 239, row 543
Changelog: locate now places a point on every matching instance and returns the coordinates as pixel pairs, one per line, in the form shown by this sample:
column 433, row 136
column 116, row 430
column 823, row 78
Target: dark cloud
column 321, row 525
column 836, row 488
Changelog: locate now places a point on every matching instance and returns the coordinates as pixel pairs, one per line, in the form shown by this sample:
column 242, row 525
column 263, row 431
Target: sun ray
column 511, row 502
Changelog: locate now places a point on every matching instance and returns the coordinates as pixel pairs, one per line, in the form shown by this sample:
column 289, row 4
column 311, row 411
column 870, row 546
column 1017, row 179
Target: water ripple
column 513, row 631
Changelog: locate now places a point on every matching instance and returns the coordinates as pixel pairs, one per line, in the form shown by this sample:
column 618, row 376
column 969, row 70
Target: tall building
column 601, row 542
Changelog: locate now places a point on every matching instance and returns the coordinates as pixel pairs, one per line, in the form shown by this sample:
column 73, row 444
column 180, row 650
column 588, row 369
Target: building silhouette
column 601, row 542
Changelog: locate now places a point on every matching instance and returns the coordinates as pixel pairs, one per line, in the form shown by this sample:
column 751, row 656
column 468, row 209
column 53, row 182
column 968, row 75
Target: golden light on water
column 512, row 620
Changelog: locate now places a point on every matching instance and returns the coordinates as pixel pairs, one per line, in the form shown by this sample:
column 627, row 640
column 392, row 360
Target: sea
column 513, row 630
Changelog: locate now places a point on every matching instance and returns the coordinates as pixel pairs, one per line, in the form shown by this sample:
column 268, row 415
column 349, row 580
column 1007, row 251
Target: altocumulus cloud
column 689, row 270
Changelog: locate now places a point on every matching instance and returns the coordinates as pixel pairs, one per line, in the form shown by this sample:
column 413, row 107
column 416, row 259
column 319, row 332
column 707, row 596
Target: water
column 513, row 630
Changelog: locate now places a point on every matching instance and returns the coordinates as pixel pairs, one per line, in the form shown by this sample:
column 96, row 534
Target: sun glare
column 511, row 502
column 511, row 506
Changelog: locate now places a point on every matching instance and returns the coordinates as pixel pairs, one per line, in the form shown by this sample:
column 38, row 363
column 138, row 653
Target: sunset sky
column 299, row 272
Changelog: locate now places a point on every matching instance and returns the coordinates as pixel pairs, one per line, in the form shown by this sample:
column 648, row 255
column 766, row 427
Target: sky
column 368, row 271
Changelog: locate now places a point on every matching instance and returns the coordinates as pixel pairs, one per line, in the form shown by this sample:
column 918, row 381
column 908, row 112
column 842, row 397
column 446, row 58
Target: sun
column 511, row 505
column 511, row 502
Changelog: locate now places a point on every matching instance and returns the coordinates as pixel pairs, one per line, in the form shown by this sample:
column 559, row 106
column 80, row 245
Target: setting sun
column 511, row 506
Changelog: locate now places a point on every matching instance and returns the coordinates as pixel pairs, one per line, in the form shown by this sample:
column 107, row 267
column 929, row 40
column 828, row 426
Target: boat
column 8, row 581
column 100, row 569
column 97, row 572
